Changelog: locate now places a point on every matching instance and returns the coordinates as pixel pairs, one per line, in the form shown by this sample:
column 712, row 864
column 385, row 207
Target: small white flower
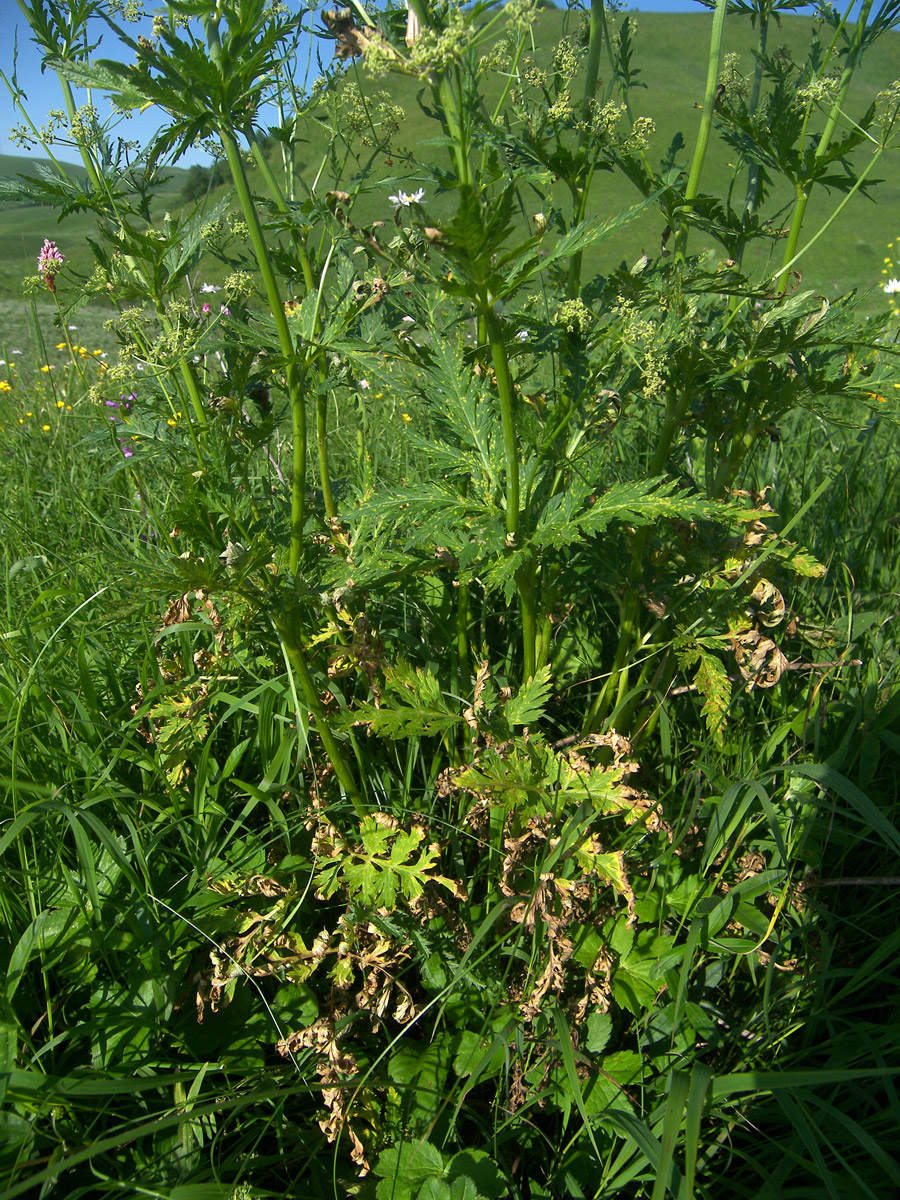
column 522, row 335
column 892, row 285
column 209, row 287
column 404, row 199
column 364, row 384
column 72, row 327
column 409, row 320
column 18, row 352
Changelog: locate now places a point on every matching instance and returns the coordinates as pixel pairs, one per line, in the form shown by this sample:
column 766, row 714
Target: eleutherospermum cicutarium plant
column 459, row 713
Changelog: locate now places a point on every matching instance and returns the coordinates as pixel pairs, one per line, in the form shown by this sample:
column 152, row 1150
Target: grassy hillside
column 23, row 227
column 671, row 52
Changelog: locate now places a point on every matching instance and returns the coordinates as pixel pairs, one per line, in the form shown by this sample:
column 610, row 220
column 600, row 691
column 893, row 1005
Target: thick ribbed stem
column 285, row 341
column 506, row 394
column 709, row 104
column 292, row 642
column 581, row 186
column 526, row 575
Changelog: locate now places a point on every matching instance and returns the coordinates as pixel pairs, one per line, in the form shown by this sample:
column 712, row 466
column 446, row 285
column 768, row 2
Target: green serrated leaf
column 599, row 1031
column 389, row 864
column 412, row 705
column 405, row 1168
column 528, row 705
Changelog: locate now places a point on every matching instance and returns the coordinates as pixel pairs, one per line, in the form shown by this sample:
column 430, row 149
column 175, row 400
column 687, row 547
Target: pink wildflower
column 206, row 309
column 225, row 311
column 50, row 260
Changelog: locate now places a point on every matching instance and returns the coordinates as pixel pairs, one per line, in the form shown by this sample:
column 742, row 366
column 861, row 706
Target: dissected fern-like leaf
column 528, row 705
column 712, row 682
column 389, row 863
column 412, row 705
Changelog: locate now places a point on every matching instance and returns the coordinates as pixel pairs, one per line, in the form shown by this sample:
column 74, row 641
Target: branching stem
column 803, row 190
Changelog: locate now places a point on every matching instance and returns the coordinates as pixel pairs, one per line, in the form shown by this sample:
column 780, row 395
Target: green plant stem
column 447, row 104
column 446, row 95
column 285, row 341
column 508, row 418
column 463, row 619
column 784, row 271
column 322, row 450
column 310, row 287
column 526, row 575
column 709, row 104
column 281, row 203
column 462, row 634
column 597, row 35
column 276, row 308
column 342, row 769
column 581, row 186
column 295, row 379
column 193, row 391
column 804, row 190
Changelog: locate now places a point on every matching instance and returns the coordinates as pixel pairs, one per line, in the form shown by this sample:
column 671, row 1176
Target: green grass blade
column 674, row 1110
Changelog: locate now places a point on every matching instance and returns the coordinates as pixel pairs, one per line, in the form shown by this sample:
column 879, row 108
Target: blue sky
column 43, row 93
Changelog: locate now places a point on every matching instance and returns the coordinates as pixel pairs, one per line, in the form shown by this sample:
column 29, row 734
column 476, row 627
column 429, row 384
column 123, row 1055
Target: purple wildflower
column 226, row 312
column 206, row 309
column 127, row 451
column 50, row 261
